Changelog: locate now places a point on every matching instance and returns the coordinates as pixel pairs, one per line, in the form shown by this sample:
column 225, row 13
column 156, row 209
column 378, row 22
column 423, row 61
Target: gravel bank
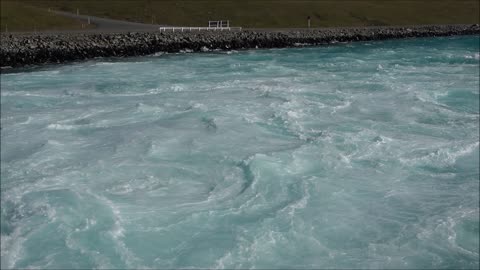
column 20, row 50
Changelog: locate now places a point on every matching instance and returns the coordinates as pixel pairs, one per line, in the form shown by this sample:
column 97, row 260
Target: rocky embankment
column 19, row 50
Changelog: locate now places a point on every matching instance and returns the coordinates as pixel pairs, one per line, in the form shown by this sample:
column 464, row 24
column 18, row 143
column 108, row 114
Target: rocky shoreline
column 19, row 50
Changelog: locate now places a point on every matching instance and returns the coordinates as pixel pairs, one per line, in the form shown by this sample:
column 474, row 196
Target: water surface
column 358, row 155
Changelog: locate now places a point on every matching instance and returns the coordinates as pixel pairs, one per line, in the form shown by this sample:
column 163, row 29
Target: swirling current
column 362, row 155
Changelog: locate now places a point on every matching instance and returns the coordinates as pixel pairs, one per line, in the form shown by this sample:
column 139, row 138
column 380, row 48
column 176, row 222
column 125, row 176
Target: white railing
column 219, row 23
column 182, row 29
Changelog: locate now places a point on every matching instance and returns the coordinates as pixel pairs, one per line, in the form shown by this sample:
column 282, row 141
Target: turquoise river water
column 362, row 155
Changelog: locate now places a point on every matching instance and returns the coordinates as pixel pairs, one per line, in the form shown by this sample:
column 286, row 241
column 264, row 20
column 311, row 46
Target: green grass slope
column 276, row 13
column 19, row 16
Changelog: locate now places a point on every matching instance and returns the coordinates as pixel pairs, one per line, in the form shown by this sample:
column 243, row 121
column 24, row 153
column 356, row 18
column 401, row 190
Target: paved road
column 109, row 25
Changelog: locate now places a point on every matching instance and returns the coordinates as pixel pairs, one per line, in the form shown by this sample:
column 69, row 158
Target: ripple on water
column 350, row 156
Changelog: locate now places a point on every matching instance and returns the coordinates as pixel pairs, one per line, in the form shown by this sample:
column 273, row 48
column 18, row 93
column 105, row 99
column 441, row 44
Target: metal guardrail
column 182, row 29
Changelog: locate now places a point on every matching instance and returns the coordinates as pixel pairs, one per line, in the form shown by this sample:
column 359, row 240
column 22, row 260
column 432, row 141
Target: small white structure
column 219, row 24
column 212, row 26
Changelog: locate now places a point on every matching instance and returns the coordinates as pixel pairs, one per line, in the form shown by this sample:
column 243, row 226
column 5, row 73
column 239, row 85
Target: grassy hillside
column 16, row 16
column 275, row 13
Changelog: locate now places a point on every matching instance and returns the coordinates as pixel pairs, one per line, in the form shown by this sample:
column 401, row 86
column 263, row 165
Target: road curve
column 109, row 25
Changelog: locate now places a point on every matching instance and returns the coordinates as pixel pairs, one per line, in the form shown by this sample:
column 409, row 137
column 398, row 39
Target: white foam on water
column 159, row 54
column 11, row 250
column 117, row 233
column 177, row 88
column 186, row 51
column 144, row 108
column 106, row 63
column 328, row 157
column 475, row 56
column 28, row 121
column 346, row 104
column 61, row 127
column 447, row 156
column 199, row 106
